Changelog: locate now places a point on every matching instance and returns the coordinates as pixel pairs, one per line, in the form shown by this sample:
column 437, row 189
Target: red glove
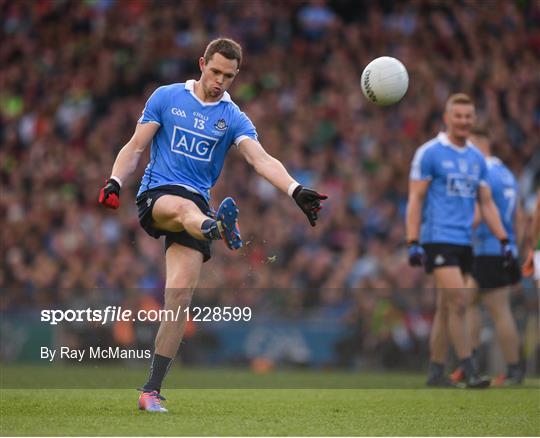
column 109, row 195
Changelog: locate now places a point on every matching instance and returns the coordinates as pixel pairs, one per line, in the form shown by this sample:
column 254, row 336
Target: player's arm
column 490, row 213
column 528, row 265
column 413, row 219
column 275, row 173
column 519, row 225
column 492, row 218
column 420, row 177
column 265, row 165
column 126, row 163
column 417, row 193
column 536, row 221
column 477, row 216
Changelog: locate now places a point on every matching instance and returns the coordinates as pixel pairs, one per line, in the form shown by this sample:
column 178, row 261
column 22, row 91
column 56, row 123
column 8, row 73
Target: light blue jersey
column 504, row 190
column 194, row 137
column 455, row 174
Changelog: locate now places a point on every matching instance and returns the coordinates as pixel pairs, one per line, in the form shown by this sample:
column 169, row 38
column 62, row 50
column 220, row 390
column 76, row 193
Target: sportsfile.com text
column 118, row 314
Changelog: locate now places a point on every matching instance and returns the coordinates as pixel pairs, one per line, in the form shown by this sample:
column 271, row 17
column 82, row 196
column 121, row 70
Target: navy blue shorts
column 439, row 255
column 145, row 204
column 490, row 272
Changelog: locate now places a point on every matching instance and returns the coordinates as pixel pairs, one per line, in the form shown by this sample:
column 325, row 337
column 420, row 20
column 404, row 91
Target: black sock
column 210, row 230
column 468, row 366
column 436, row 369
column 158, row 370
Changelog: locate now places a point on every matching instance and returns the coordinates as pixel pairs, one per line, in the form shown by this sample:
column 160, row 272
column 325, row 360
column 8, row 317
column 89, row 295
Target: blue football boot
column 227, row 219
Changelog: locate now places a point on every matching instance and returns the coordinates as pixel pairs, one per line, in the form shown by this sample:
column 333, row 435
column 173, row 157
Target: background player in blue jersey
column 492, row 273
column 448, row 175
column 531, row 265
column 191, row 127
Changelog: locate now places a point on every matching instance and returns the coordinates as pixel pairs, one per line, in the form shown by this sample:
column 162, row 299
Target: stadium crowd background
column 76, row 74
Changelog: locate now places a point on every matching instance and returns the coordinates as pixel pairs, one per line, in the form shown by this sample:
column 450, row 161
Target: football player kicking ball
column 192, row 126
column 492, row 273
column 447, row 175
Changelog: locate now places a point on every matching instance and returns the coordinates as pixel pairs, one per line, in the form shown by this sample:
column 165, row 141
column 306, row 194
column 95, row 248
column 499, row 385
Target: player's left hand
column 109, row 195
column 309, row 202
column 507, row 253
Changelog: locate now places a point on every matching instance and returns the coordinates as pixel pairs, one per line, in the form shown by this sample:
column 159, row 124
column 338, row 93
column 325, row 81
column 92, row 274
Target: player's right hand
column 417, row 255
column 109, row 195
column 507, row 253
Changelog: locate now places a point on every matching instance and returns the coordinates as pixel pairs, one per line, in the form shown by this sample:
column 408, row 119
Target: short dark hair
column 226, row 47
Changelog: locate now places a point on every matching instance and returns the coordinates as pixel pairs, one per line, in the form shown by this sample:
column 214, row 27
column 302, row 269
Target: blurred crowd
column 76, row 74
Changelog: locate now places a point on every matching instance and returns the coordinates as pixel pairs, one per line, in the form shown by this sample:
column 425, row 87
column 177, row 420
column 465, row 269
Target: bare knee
column 457, row 303
column 181, row 210
column 497, row 302
column 182, row 279
column 170, row 212
column 178, row 296
column 441, row 312
column 457, row 309
column 183, row 269
column 499, row 312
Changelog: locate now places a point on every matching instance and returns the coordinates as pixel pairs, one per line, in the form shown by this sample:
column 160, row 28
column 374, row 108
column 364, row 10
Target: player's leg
column 174, row 213
column 497, row 301
column 438, row 340
column 183, row 266
column 474, row 316
column 474, row 324
column 536, row 270
column 438, row 344
column 452, row 284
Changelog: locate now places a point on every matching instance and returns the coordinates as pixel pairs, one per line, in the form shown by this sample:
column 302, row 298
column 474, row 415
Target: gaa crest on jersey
column 448, row 164
column 221, row 125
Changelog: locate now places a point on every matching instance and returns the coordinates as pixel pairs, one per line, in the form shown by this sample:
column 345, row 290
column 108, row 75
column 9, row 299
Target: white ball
column 385, row 81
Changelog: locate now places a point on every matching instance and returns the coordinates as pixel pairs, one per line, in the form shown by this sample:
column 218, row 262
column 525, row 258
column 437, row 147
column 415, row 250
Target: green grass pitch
column 374, row 404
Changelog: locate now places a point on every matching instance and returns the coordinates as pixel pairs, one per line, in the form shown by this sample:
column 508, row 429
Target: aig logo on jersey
column 460, row 185
column 192, row 144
